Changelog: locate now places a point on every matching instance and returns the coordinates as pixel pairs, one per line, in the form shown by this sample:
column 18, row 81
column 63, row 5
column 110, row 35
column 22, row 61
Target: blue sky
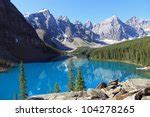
column 83, row 10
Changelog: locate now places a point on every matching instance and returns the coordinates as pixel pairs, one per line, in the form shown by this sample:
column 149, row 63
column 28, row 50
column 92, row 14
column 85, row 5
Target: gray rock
column 35, row 98
column 96, row 94
column 102, row 85
column 146, row 91
column 146, row 98
column 80, row 93
column 115, row 82
column 139, row 95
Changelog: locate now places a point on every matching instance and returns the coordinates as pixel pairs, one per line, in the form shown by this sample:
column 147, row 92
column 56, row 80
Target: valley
column 41, row 54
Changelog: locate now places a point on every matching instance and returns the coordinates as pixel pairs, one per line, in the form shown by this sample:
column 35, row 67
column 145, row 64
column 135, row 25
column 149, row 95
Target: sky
column 83, row 10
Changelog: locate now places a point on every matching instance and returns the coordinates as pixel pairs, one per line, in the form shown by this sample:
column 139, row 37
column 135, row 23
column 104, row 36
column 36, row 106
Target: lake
column 41, row 77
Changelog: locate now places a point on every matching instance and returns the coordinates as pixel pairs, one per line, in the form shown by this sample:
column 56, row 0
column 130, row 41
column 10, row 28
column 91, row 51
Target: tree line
column 134, row 51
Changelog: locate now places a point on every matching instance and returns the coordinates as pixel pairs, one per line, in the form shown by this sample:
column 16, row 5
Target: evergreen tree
column 71, row 85
column 56, row 88
column 80, row 81
column 23, row 88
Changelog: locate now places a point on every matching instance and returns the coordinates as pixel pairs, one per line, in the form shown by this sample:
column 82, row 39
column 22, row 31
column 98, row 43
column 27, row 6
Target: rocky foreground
column 132, row 89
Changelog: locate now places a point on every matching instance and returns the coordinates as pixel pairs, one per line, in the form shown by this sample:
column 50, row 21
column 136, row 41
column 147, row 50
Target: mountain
column 55, row 31
column 67, row 28
column 45, row 25
column 18, row 40
column 61, row 32
column 88, row 25
column 142, row 25
column 114, row 28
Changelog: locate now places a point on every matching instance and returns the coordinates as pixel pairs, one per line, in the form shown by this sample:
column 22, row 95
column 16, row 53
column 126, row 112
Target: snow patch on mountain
column 62, row 33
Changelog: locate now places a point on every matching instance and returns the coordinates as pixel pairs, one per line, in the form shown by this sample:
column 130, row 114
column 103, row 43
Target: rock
column 96, row 94
column 104, row 90
column 142, row 93
column 121, row 95
column 102, row 85
column 118, row 93
column 146, row 98
column 130, row 97
column 146, row 91
column 115, row 82
column 111, row 87
column 139, row 95
column 72, row 94
column 116, row 90
column 137, row 83
column 110, row 95
column 35, row 98
column 80, row 93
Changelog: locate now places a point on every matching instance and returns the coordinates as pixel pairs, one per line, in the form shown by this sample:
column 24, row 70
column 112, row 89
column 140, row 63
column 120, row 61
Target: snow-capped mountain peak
column 60, row 29
column 88, row 24
column 44, row 10
column 114, row 29
column 112, row 18
column 134, row 21
column 64, row 18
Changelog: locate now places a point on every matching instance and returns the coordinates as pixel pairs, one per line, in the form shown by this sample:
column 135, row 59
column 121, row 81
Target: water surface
column 41, row 77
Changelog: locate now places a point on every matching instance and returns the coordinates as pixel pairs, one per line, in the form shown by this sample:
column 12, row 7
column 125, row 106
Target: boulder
column 146, row 91
column 146, row 98
column 80, row 93
column 129, row 97
column 111, row 87
column 139, row 95
column 102, row 85
column 35, row 98
column 115, row 82
column 116, row 90
column 121, row 94
column 138, row 83
column 96, row 94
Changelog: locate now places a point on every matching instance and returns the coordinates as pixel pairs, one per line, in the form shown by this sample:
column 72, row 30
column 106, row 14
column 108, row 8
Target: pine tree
column 71, row 85
column 23, row 88
column 80, row 81
column 56, row 88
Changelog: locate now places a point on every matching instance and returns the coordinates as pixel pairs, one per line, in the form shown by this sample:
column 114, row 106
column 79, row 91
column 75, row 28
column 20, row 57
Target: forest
column 135, row 51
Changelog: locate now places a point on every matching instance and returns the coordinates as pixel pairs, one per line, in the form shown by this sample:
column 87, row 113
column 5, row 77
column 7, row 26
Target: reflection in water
column 41, row 77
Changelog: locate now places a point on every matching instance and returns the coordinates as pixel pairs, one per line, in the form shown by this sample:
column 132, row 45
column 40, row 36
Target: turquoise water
column 41, row 77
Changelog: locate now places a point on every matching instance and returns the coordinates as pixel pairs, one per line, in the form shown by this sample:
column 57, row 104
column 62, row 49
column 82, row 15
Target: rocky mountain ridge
column 58, row 30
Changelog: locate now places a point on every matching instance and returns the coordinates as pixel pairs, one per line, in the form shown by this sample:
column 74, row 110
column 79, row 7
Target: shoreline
column 144, row 68
column 128, row 62
column 141, row 67
column 132, row 89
